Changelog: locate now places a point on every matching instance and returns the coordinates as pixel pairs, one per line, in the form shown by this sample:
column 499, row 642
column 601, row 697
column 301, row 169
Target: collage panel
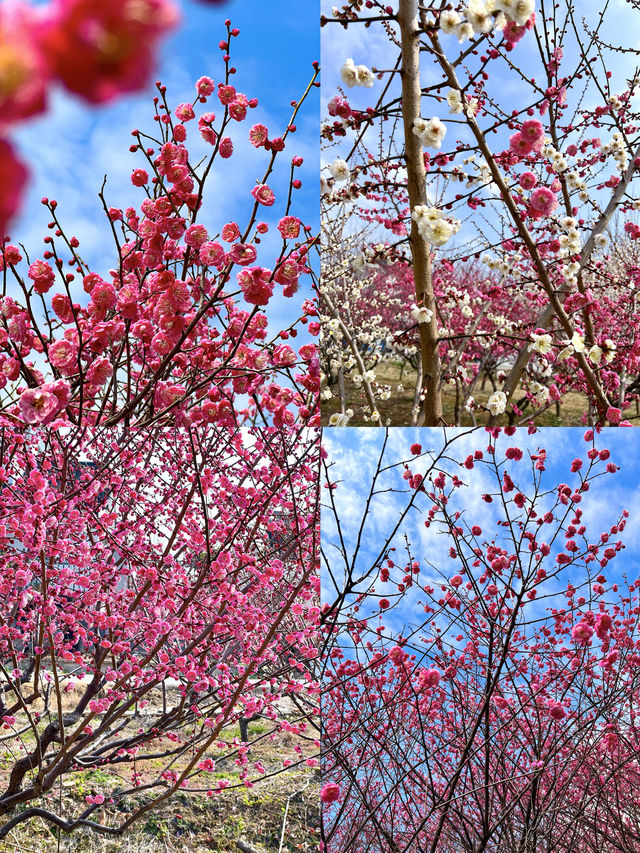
column 479, row 213
column 160, row 261
column 480, row 688
column 159, row 639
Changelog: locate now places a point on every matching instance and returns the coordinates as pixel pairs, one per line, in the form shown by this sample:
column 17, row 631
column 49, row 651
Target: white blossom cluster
column 454, row 99
column 556, row 159
column 433, row 226
column 458, row 298
column 485, row 16
column 570, row 273
column 575, row 182
column 465, row 306
column 540, row 392
column 497, row 403
column 339, row 170
column 503, row 326
column 618, row 150
column 421, row 314
column 339, row 419
column 430, row 132
column 354, row 350
column 596, row 354
column 356, row 75
column 483, row 177
column 570, row 243
column 331, row 326
column 368, row 376
column 500, row 265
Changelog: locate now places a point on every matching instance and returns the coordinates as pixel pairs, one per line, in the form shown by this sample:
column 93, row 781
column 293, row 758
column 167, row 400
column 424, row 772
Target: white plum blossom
column 565, row 353
column 431, row 133
column 449, row 21
column 518, row 11
column 497, row 403
column 541, row 392
column 349, row 74
column 433, row 226
column 610, row 350
column 595, row 354
column 339, row 169
column 464, row 31
column 441, row 232
column 356, row 75
column 479, row 16
column 471, row 108
column 522, row 11
column 577, row 342
column 337, row 419
column 421, row 314
column 542, row 343
column 454, row 100
column 364, row 76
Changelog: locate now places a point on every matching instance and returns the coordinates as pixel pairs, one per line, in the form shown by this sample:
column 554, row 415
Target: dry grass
column 398, row 408
column 197, row 824
column 188, row 821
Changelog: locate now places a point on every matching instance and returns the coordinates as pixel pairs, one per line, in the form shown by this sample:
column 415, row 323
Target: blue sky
column 355, row 453
column 273, row 55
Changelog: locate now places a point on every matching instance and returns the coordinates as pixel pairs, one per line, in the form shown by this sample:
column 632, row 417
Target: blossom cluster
column 431, row 133
column 356, row 75
column 486, row 16
column 433, row 225
column 170, row 569
column 415, row 648
column 97, row 51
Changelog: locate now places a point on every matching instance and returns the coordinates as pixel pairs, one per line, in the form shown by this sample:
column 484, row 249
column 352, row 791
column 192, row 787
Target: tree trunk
column 416, row 181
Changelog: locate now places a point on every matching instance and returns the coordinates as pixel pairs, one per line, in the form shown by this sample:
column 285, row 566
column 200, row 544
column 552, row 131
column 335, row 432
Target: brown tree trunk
column 416, row 180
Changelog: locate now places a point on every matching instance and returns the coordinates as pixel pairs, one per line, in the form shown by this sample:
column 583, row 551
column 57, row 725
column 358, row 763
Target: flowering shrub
column 537, row 187
column 179, row 329
column 159, row 589
column 481, row 687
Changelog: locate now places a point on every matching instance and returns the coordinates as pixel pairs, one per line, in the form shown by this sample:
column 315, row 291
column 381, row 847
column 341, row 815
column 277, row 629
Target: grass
column 190, row 822
column 397, row 409
column 195, row 824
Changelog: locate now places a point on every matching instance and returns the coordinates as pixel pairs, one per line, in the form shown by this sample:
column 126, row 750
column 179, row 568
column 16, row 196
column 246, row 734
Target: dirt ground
column 278, row 814
column 255, row 818
column 398, row 408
